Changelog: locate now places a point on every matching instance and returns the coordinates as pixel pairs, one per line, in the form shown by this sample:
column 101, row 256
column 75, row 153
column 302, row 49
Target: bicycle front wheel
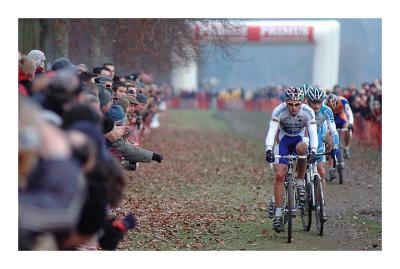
column 319, row 205
column 290, row 200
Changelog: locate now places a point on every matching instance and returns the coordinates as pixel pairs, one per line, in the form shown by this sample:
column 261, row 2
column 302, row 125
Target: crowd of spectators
column 365, row 100
column 78, row 130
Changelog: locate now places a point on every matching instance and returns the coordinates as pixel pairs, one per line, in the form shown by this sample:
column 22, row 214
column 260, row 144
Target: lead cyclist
column 325, row 120
column 291, row 119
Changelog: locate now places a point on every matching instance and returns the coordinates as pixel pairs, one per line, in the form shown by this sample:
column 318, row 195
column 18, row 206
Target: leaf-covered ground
column 210, row 191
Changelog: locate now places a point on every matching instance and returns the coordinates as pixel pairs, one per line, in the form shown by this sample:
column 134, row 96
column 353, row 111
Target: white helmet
column 293, row 93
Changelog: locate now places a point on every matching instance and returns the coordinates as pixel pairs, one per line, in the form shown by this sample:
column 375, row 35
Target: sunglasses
column 293, row 104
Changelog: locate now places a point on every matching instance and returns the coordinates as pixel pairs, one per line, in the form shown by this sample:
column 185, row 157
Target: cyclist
column 291, row 118
column 343, row 118
column 306, row 87
column 324, row 119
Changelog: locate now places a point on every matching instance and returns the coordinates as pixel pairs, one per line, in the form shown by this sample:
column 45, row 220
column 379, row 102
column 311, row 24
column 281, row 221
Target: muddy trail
column 210, row 191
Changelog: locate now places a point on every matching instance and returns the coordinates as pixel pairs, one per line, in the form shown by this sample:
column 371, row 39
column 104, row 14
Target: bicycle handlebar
column 292, row 157
column 321, row 154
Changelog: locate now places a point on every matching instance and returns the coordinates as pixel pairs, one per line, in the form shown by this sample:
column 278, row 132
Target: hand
column 115, row 134
column 157, row 157
column 269, row 156
column 351, row 128
column 312, row 157
column 334, row 153
column 131, row 167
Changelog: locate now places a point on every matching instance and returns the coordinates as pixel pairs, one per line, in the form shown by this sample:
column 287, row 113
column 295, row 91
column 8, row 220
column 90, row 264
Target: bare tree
column 133, row 44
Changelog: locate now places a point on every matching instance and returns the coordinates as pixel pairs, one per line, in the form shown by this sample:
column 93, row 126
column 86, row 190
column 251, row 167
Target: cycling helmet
column 306, row 88
column 293, row 93
column 331, row 101
column 316, row 95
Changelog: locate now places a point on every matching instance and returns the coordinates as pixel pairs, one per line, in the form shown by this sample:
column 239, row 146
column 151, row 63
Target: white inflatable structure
column 324, row 34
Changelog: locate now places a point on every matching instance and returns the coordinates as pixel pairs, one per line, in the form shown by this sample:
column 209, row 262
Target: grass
column 197, row 119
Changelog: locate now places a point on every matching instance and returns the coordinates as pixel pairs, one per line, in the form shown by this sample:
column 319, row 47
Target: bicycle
column 315, row 198
column 289, row 206
column 340, row 159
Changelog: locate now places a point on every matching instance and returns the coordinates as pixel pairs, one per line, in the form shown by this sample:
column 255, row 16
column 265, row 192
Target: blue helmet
column 316, row 95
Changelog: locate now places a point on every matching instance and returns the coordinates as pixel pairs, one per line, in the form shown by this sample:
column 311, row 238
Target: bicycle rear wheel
column 290, row 200
column 319, row 205
column 306, row 210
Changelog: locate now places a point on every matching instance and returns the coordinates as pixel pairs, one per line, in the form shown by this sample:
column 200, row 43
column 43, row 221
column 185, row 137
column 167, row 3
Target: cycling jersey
column 342, row 111
column 325, row 120
column 292, row 126
column 325, row 115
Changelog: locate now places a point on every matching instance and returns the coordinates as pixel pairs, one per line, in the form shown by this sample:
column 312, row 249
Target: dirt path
column 210, row 191
column 354, row 208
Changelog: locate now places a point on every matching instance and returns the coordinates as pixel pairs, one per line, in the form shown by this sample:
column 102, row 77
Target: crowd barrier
column 201, row 101
column 365, row 132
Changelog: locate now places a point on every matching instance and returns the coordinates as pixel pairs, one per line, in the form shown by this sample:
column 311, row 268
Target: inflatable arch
column 324, row 34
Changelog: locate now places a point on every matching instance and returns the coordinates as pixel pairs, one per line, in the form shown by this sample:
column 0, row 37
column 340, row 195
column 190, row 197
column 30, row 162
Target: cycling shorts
column 286, row 146
column 341, row 120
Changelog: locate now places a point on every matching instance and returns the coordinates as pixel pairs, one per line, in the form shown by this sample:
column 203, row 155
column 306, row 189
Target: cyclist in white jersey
column 291, row 118
column 325, row 120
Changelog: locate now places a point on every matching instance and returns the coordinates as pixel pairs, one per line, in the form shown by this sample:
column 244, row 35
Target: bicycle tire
column 290, row 207
column 340, row 166
column 319, row 205
column 306, row 210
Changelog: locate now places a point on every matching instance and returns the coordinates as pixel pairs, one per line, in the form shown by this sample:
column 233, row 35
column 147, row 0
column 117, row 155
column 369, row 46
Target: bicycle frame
column 289, row 207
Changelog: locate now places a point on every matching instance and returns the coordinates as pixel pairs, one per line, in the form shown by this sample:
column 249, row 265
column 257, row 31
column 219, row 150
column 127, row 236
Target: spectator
column 51, row 191
column 105, row 71
column 63, row 63
column 119, row 89
column 39, row 58
column 111, row 68
column 26, row 73
column 82, row 68
column 104, row 98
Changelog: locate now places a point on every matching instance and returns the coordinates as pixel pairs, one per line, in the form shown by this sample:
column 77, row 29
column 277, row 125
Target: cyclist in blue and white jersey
column 325, row 120
column 291, row 119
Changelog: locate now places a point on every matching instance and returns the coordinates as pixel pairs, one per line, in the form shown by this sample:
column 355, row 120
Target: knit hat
column 117, row 114
column 141, row 98
column 104, row 95
column 62, row 63
column 37, row 56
